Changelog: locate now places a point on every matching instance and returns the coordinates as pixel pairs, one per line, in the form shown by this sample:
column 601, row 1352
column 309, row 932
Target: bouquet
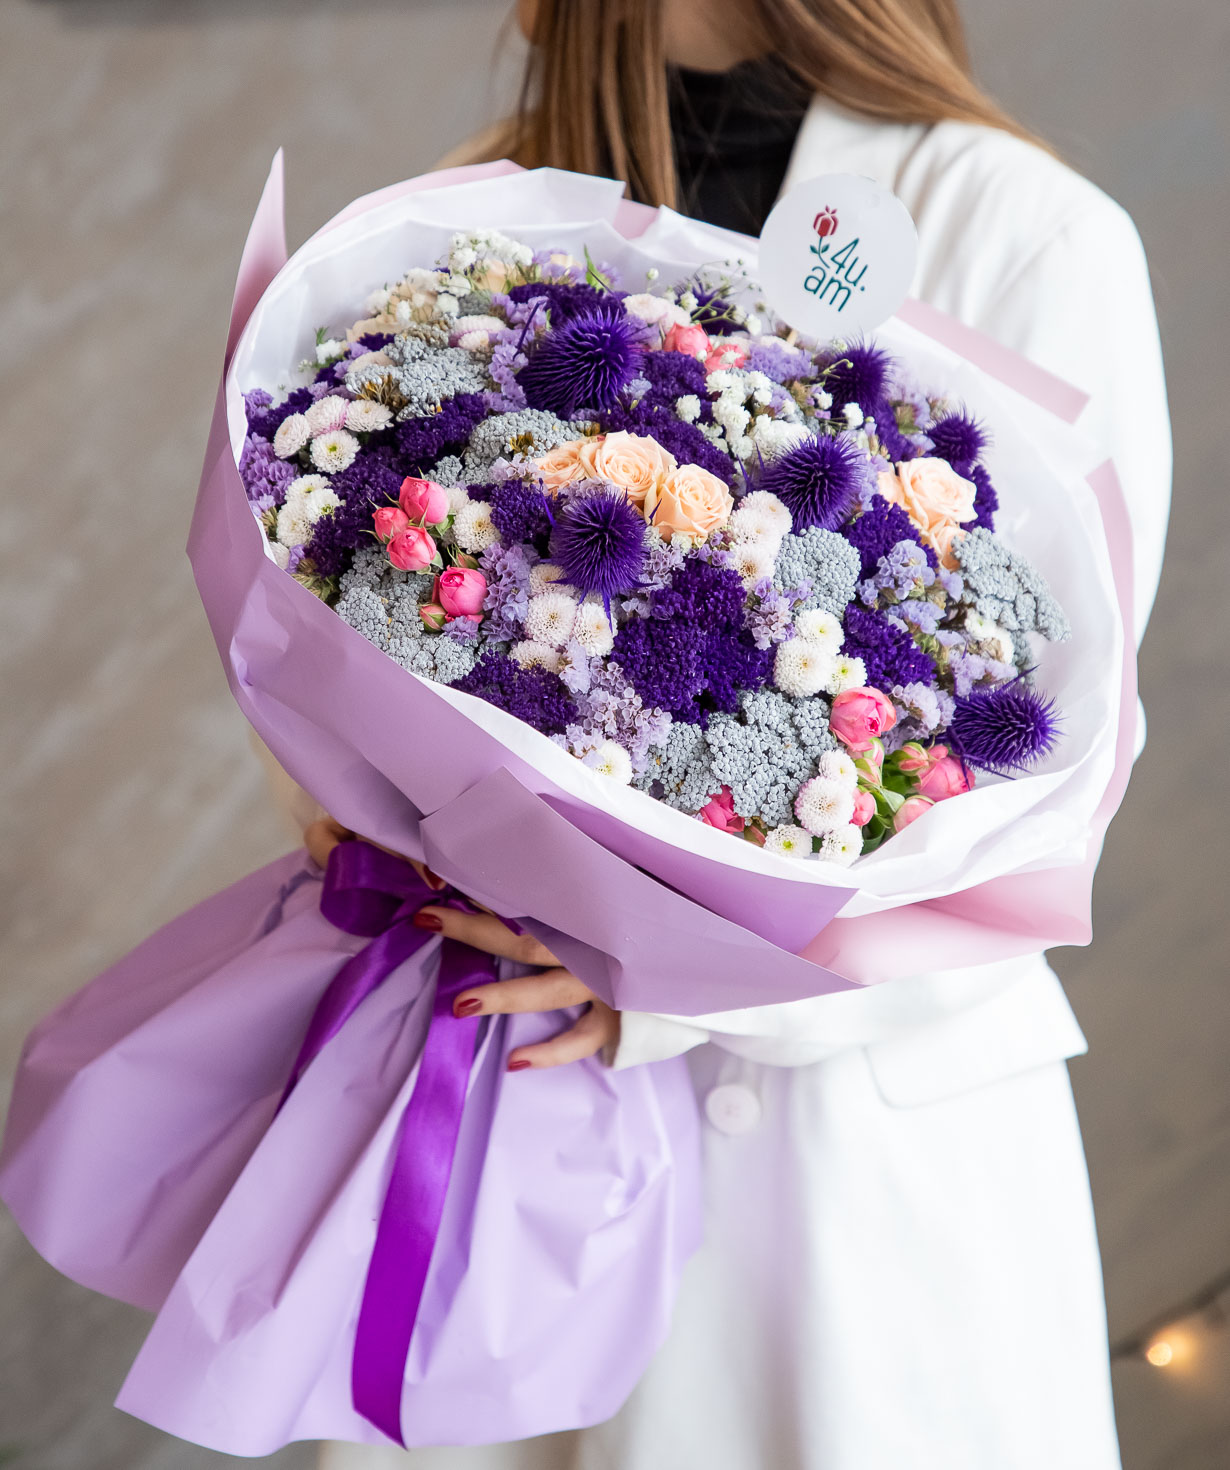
column 558, row 547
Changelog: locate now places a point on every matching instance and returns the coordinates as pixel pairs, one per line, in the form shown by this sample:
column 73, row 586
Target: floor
column 136, row 134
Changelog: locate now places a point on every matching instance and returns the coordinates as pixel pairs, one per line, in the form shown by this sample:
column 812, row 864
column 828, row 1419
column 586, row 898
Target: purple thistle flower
column 818, row 481
column 859, row 375
column 584, row 362
column 1003, row 730
column 960, row 439
column 601, row 543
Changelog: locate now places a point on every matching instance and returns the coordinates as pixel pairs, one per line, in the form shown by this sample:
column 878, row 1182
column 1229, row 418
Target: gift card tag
column 837, row 256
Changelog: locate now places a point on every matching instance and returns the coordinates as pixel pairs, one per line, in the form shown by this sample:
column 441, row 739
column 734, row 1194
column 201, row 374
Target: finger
column 596, row 1029
column 550, row 990
column 485, row 932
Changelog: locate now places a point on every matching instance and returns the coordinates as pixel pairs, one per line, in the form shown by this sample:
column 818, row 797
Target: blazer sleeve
column 1081, row 306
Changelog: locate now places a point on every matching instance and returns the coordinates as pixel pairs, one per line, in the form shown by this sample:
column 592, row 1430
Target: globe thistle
column 819, row 482
column 610, row 759
column 802, row 668
column 584, row 362
column 1003, row 730
column 859, row 375
column 959, row 438
column 789, row 841
column 824, row 804
column 600, row 542
column 549, row 619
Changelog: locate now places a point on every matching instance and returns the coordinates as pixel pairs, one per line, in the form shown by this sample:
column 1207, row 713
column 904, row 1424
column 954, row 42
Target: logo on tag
column 837, row 256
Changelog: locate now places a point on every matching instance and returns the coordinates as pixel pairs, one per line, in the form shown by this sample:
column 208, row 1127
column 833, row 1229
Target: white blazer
column 1015, row 243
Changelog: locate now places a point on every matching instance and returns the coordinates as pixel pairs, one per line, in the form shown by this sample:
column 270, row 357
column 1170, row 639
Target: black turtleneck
column 734, row 132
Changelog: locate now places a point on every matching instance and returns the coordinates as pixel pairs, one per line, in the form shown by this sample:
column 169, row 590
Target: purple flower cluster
column 519, row 511
column 534, row 695
column 882, row 526
column 265, row 476
column 583, row 363
column 886, row 648
column 507, row 569
column 423, row 441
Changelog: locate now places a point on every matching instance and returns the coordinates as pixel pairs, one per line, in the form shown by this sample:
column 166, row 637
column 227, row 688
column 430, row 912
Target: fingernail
column 469, row 1007
column 428, row 921
column 518, row 1066
column 433, row 879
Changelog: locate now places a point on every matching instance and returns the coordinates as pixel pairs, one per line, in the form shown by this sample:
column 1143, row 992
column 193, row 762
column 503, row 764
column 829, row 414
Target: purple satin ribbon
column 369, row 891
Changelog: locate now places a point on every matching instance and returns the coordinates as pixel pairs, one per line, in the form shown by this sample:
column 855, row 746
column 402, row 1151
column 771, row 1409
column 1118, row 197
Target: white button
column 732, row 1109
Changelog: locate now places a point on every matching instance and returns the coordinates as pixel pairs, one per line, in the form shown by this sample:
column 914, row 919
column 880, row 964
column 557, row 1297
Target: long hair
column 594, row 97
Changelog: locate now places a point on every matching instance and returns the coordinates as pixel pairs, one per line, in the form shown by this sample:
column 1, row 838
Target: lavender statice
column 923, row 712
column 902, row 572
column 265, row 476
column 613, row 709
column 507, row 569
column 768, row 614
column 880, row 528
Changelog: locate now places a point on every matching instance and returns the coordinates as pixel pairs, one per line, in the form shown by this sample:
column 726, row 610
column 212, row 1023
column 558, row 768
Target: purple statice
column 986, row 502
column 673, row 375
column 600, row 542
column 960, row 439
column 373, row 479
column 534, row 695
column 684, row 441
column 519, row 512
column 777, row 360
column 507, row 360
column 859, row 375
column 294, row 557
column 900, row 572
column 663, row 561
column 818, row 481
column 265, row 476
column 612, row 709
column 422, row 441
column 920, row 614
column 886, row 648
column 461, row 630
column 969, row 670
column 583, row 363
column 1003, row 730
column 874, row 534
column 563, row 301
column 266, row 420
column 577, row 671
column 922, row 712
column 256, row 401
column 768, row 614
column 507, row 569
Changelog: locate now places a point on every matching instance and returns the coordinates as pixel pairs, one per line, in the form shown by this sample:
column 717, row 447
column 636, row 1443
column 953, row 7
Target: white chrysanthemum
column 307, row 499
column 997, row 643
column 610, row 759
column 766, row 504
column 549, row 619
column 293, row 433
column 334, row 451
column 790, row 841
column 473, row 528
column 457, row 498
column 592, row 630
column 687, row 408
column 531, row 655
column 753, row 561
column 307, row 485
column 823, row 804
column 842, row 845
column 848, row 673
column 545, row 576
column 327, row 413
column 754, row 527
column 801, row 667
column 776, row 437
column 818, row 626
column 838, row 765
column 365, row 417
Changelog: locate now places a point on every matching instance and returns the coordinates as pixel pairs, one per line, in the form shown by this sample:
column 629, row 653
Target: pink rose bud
column 910, row 810
column 691, row 339
column 944, row 778
column 424, row 501
column 464, row 559
column 726, row 355
column 412, row 550
column 720, row 812
column 864, row 808
column 433, row 615
column 460, row 592
column 912, row 758
column 859, row 715
column 389, row 520
column 873, row 754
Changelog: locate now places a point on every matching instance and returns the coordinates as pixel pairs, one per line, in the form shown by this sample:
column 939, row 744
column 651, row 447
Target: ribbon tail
column 414, row 1202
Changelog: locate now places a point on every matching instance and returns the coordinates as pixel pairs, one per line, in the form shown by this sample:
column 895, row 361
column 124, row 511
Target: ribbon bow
column 369, row 891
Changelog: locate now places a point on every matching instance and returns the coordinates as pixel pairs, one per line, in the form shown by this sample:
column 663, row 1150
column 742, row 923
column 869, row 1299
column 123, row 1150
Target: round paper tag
column 837, row 256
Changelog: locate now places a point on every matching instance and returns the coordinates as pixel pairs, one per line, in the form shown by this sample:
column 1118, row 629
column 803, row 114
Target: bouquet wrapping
column 350, row 1223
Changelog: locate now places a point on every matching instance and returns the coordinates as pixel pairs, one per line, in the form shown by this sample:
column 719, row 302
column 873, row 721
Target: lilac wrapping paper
column 143, row 1156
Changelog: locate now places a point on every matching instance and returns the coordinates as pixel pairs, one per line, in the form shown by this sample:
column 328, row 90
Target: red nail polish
column 518, row 1066
column 428, row 921
column 469, row 1007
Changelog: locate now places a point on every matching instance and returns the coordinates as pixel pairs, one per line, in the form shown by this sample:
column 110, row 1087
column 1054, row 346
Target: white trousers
column 880, row 1288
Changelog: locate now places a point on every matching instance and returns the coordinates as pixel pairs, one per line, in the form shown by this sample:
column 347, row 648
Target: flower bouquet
column 734, row 667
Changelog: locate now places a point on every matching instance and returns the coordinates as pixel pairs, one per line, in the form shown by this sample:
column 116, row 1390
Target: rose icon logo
column 825, row 223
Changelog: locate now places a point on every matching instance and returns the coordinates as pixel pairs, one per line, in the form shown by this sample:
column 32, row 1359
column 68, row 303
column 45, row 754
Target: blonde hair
column 594, row 97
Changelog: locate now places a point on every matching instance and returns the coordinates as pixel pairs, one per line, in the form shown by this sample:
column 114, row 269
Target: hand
column 550, row 990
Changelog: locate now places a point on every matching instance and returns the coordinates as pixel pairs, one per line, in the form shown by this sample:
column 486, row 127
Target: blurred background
column 136, row 137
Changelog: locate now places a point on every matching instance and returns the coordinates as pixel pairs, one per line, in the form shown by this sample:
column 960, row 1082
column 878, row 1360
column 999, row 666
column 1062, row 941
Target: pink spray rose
column 424, row 501
column 944, row 778
column 914, row 758
column 910, row 810
column 859, row 715
column 460, row 592
column 726, row 354
column 691, row 339
column 412, row 550
column 389, row 520
column 433, row 615
column 720, row 812
column 864, row 808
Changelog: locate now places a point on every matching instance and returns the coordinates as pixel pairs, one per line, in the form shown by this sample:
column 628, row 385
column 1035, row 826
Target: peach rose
column 689, row 500
column 633, row 462
column 935, row 498
column 561, row 466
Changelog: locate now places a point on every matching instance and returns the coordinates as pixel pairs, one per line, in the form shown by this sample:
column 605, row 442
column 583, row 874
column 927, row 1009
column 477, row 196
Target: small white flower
column 652, row 273
column 330, row 348
column 378, row 301
column 689, row 302
column 817, row 625
column 755, row 527
column 473, row 529
column 790, row 841
column 545, row 576
column 823, row 804
column 293, row 433
column 842, row 845
column 447, row 304
column 365, row 417
column 822, row 399
column 334, row 451
column 767, row 504
column 776, row 437
column 327, row 413
column 992, row 638
column 853, row 415
column 457, row 498
column 838, row 765
column 549, row 619
column 848, row 673
column 753, row 560
column 531, row 655
column 802, row 668
column 610, row 759
column 762, row 397
column 687, row 408
column 592, row 629
column 751, row 324
column 307, row 499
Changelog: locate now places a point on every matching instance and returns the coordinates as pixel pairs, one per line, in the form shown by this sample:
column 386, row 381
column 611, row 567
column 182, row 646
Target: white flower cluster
column 307, row 499
column 824, row 808
column 812, row 662
column 328, row 430
column 758, row 526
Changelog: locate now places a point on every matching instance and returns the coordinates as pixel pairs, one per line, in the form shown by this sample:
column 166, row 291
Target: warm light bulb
column 1159, row 1353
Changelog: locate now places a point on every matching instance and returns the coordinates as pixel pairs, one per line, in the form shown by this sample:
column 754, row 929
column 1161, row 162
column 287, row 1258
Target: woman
column 900, row 1270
